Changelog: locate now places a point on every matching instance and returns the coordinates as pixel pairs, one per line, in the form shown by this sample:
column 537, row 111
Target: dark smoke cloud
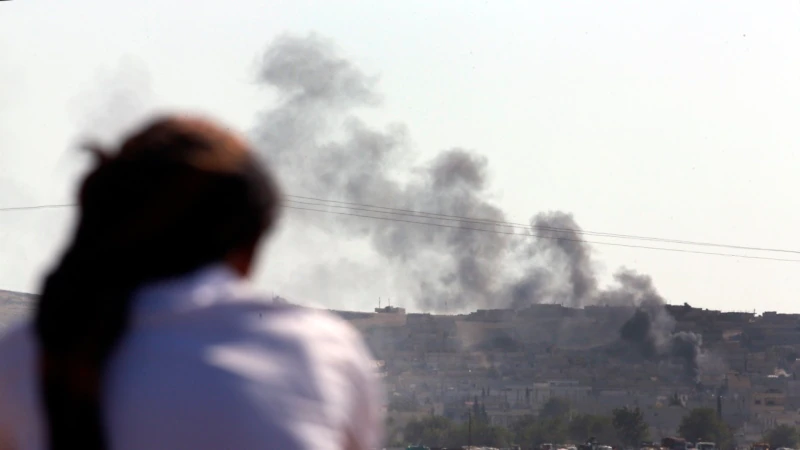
column 652, row 328
column 561, row 235
column 321, row 149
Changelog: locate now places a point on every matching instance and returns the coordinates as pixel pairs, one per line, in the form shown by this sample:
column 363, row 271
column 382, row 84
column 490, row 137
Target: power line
column 28, row 208
column 406, row 212
column 616, row 244
column 529, row 227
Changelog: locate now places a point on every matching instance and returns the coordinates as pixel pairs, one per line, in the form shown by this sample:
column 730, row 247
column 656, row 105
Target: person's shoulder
column 16, row 335
column 316, row 327
column 17, row 345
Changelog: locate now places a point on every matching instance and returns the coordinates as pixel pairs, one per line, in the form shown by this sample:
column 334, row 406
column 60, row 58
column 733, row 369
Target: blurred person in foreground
column 147, row 335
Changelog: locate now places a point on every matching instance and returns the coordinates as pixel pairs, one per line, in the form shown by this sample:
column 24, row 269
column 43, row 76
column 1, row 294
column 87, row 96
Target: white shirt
column 208, row 364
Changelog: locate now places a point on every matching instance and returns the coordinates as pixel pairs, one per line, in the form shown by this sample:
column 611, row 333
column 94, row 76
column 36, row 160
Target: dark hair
column 179, row 194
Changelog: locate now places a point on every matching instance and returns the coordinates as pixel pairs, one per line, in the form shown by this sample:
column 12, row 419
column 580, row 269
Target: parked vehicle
column 675, row 443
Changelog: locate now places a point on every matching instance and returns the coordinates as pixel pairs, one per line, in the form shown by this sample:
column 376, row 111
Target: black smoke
column 651, row 328
column 322, row 150
column 561, row 236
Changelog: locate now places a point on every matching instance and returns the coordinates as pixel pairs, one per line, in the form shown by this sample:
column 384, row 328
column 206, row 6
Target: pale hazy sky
column 675, row 119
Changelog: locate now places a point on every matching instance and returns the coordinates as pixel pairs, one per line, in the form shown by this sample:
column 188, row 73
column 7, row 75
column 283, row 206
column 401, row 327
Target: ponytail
column 180, row 194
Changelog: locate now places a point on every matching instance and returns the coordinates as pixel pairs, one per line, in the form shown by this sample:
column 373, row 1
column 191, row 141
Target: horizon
column 412, row 311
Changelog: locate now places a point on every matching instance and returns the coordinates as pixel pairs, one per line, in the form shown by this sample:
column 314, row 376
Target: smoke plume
column 652, row 328
column 560, row 236
column 318, row 92
column 323, row 151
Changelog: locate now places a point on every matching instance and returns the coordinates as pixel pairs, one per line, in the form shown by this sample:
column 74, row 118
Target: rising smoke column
column 557, row 264
column 651, row 328
column 322, row 150
column 561, row 235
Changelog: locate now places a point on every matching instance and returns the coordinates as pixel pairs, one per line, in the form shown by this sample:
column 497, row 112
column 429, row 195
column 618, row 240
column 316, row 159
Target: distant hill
column 14, row 306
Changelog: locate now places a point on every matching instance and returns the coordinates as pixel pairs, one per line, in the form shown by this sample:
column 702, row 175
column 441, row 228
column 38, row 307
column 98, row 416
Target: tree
column 782, row 436
column 438, row 431
column 478, row 412
column 580, row 427
column 392, row 432
column 519, row 425
column 584, row 426
column 531, row 430
column 630, row 426
column 556, row 407
column 543, row 430
column 403, row 404
column 703, row 424
column 483, row 434
column 433, row 431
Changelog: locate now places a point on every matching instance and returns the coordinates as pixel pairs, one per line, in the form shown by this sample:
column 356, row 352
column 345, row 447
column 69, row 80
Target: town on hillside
column 514, row 364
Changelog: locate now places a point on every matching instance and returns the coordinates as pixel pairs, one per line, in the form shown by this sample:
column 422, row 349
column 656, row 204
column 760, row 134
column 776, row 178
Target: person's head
column 179, row 194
